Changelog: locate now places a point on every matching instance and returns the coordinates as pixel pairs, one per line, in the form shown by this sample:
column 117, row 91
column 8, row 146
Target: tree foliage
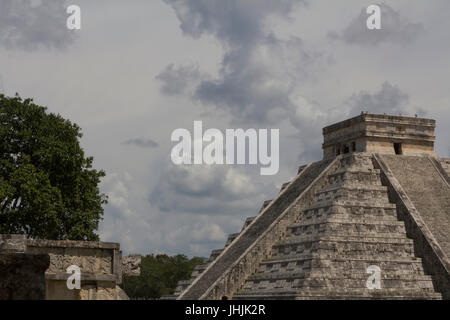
column 159, row 275
column 48, row 188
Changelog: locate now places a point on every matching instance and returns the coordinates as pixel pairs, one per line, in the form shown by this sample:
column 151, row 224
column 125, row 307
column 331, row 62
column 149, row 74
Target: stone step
column 337, row 258
column 363, row 177
column 214, row 254
column 345, row 219
column 389, row 222
column 359, row 159
column 354, row 280
column 352, row 201
column 201, row 267
column 265, row 204
column 347, row 227
column 317, row 232
column 198, row 269
column 355, row 170
column 230, row 239
column 351, row 204
column 346, row 210
column 346, row 192
column 390, row 294
column 332, row 254
column 402, row 247
column 343, row 238
column 341, row 257
column 182, row 285
column 247, row 222
column 352, row 186
column 321, row 275
column 335, row 264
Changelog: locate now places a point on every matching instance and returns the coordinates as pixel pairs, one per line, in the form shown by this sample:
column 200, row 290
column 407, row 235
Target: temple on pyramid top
column 380, row 133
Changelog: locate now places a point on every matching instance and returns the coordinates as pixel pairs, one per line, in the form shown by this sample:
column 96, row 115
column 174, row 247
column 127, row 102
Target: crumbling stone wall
column 100, row 264
column 131, row 265
column 22, row 276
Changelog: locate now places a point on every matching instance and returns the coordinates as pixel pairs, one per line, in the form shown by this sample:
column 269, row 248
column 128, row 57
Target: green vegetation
column 48, row 188
column 159, row 275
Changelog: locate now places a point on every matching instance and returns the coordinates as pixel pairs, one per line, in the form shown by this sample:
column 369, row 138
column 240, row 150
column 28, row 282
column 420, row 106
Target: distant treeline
column 159, row 275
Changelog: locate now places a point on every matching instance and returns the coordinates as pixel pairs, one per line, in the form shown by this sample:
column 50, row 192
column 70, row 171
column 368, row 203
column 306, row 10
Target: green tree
column 48, row 188
column 159, row 275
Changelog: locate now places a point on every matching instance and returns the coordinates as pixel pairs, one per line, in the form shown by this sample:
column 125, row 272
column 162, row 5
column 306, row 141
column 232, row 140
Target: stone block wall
column 100, row 264
column 22, row 276
column 378, row 133
column 131, row 265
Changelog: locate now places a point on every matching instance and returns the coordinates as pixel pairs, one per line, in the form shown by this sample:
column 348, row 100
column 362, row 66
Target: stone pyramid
column 380, row 198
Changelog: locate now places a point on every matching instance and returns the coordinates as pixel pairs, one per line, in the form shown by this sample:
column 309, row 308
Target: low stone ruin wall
column 100, row 264
column 22, row 276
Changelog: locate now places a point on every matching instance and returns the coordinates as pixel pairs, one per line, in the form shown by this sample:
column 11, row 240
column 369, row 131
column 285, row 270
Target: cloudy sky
column 139, row 69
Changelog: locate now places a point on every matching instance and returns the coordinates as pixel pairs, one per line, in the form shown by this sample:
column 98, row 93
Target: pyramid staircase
column 325, row 253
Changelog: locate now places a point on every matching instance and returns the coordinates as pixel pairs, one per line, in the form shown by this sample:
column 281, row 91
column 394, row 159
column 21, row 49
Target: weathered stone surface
column 427, row 190
column 92, row 257
column 12, row 243
column 424, row 211
column 102, row 291
column 131, row 265
column 379, row 133
column 22, row 276
column 100, row 264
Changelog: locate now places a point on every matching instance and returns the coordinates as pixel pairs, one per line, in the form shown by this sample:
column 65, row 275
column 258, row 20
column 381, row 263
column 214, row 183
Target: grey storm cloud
column 235, row 22
column 175, row 80
column 258, row 70
column 141, row 142
column 389, row 99
column 394, row 29
column 207, row 190
column 31, row 24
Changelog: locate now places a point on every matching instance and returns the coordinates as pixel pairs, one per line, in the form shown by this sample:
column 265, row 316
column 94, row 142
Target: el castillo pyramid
column 380, row 197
